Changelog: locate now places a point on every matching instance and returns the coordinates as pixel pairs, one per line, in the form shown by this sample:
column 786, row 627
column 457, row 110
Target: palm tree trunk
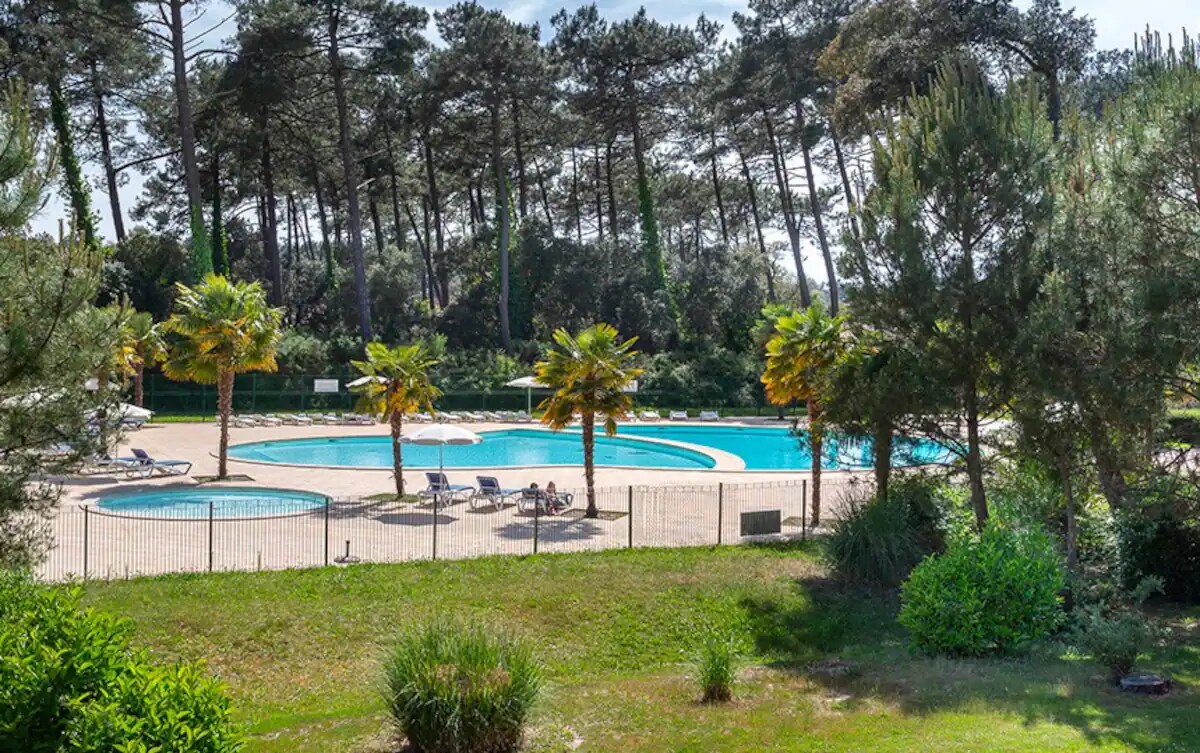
column 397, row 453
column 816, row 438
column 224, row 408
column 139, row 374
column 589, row 469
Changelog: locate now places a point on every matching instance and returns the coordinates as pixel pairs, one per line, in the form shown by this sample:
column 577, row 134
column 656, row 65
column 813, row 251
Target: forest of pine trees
column 390, row 172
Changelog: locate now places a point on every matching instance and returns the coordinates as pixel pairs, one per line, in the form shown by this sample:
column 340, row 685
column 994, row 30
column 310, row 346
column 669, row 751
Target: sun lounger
column 651, row 415
column 679, row 415
column 144, row 466
column 448, row 417
column 265, row 420
column 295, row 419
column 491, row 416
column 522, row 417
column 241, row 422
column 709, row 415
column 422, row 417
column 133, row 422
column 490, row 493
column 103, row 465
column 471, row 416
column 440, row 488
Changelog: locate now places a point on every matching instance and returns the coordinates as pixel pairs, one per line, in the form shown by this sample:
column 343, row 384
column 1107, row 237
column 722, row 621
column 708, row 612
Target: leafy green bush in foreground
column 455, row 689
column 70, row 682
column 991, row 593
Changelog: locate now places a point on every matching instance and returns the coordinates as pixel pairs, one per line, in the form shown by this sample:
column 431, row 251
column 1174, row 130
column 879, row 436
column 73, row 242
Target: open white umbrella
column 526, row 383
column 442, row 435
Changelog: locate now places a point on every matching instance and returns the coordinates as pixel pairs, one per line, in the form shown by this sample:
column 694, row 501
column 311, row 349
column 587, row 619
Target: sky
column 1117, row 22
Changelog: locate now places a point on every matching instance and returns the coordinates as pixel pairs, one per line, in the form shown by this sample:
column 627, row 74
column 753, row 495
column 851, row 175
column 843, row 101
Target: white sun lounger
column 144, row 466
column 709, row 415
column 679, row 415
column 651, row 415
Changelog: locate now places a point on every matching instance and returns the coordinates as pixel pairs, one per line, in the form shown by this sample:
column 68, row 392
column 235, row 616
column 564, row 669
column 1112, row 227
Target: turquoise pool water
column 766, row 448
column 227, row 502
column 762, row 449
column 505, row 448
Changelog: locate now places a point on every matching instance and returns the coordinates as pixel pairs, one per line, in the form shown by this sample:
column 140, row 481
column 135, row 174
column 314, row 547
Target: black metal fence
column 92, row 542
column 267, row 393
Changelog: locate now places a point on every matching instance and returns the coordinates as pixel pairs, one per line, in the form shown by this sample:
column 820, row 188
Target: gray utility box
column 761, row 522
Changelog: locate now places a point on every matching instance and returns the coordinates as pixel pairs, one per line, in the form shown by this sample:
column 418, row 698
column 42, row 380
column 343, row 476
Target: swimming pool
column 226, row 502
column 768, row 448
column 513, row 448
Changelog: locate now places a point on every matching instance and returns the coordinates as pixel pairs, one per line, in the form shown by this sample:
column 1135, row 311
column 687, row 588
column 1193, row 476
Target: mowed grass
column 619, row 633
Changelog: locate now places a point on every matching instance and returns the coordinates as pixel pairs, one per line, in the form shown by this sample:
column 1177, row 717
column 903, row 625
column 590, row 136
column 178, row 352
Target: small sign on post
column 326, row 386
column 762, row 522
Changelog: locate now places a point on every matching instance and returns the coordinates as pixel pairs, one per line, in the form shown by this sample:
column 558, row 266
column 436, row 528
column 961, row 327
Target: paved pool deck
column 671, row 507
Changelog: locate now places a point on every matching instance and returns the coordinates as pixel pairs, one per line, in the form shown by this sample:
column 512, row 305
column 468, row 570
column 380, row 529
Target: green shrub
column 454, row 689
column 1160, row 536
column 1116, row 640
column 992, row 593
column 69, row 681
column 875, row 543
column 716, row 669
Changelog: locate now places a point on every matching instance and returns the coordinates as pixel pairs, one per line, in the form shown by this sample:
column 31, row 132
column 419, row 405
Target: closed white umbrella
column 365, row 380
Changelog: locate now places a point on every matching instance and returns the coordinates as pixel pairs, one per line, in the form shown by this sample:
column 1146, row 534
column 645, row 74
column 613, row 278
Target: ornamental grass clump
column 716, row 669
column 458, row 689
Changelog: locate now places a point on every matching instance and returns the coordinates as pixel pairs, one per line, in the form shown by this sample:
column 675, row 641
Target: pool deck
column 198, row 443
column 668, row 512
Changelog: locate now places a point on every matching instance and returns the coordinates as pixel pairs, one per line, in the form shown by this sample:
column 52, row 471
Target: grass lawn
column 301, row 650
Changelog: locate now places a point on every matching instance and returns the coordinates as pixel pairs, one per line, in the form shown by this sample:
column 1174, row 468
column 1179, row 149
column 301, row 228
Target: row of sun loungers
column 516, row 417
column 489, row 492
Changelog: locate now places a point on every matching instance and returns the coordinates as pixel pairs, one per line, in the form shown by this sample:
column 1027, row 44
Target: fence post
column 804, row 510
column 85, row 541
column 327, row 531
column 537, row 516
column 435, row 525
column 210, row 535
column 630, row 516
column 720, row 510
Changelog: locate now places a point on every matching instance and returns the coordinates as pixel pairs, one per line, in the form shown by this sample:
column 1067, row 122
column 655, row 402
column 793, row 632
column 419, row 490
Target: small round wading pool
column 225, row 502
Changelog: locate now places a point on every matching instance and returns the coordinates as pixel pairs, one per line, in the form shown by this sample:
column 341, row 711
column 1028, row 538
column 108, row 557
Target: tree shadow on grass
column 821, row 620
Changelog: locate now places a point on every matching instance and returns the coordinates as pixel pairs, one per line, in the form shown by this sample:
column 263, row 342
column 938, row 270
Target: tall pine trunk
column 201, row 249
column 814, row 202
column 651, row 243
column 435, row 206
column 106, row 156
column 349, row 169
column 502, row 224
column 599, row 197
column 81, row 205
column 519, row 158
column 789, row 213
column 883, row 458
column 716, row 180
column 758, row 231
column 270, row 216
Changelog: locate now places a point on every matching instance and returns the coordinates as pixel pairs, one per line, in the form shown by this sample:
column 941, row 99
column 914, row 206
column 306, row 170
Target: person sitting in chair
column 554, row 503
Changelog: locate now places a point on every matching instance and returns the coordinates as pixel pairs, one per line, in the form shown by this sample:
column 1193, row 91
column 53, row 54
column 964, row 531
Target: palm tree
column 589, row 374
column 139, row 344
column 219, row 329
column 801, row 359
column 397, row 384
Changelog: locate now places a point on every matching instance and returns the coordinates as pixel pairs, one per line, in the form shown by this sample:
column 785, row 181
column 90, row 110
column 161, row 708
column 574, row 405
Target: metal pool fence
column 91, row 542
